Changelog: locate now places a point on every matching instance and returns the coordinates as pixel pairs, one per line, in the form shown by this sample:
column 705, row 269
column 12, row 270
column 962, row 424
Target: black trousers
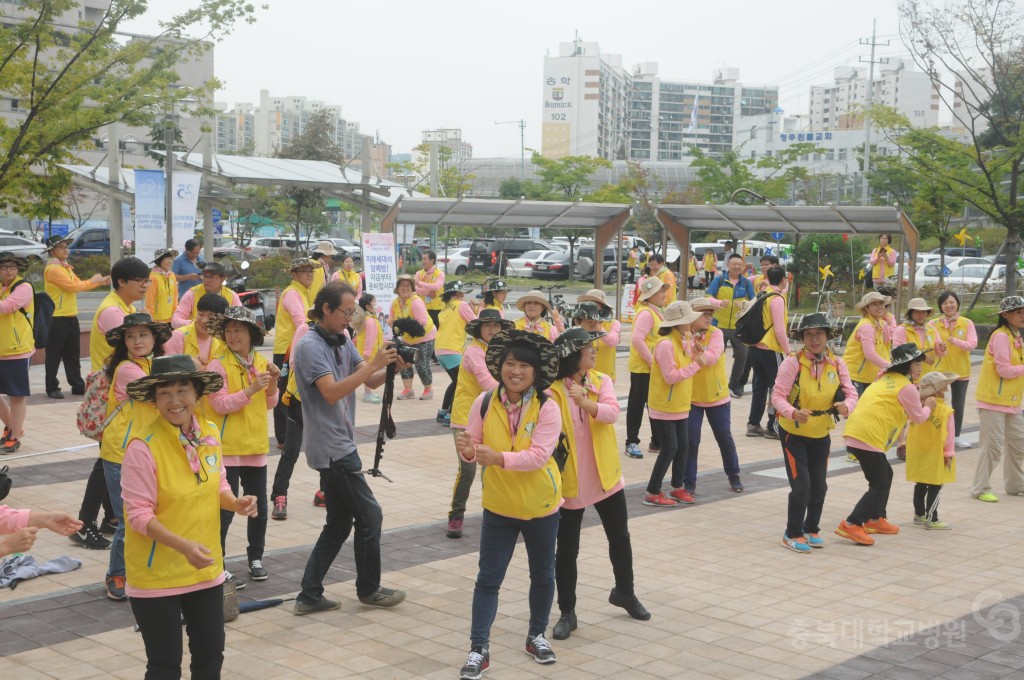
column 435, row 316
column 449, row 394
column 254, row 483
column 924, row 498
column 290, row 453
column 639, row 384
column 615, row 520
column 765, row 363
column 878, row 472
column 95, row 496
column 674, row 436
column 159, row 620
column 806, row 462
column 63, row 345
column 280, row 414
column 959, row 397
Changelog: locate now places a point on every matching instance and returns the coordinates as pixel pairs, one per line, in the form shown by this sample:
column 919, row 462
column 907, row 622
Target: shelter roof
column 747, row 219
column 503, row 213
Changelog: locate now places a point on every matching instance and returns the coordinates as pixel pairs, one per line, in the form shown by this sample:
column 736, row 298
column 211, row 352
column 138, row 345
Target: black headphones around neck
column 332, row 339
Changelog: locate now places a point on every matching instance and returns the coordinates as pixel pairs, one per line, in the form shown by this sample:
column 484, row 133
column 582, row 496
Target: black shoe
column 321, row 605
column 55, row 394
column 75, row 392
column 630, row 603
column 89, row 537
column 565, row 626
column 109, row 526
column 256, row 570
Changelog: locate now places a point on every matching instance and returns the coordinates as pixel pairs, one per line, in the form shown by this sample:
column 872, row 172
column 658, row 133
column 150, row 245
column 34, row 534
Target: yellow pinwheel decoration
column 825, row 271
column 962, row 236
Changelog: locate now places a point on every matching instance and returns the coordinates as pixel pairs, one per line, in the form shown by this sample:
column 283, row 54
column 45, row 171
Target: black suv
column 483, row 252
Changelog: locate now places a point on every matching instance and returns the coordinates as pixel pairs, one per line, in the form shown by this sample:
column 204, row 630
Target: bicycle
column 832, row 307
column 558, row 303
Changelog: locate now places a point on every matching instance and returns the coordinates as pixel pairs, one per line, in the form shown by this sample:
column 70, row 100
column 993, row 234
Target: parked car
column 556, row 266
column 89, row 241
column 483, row 253
column 524, row 264
column 585, row 264
column 456, row 261
column 928, row 274
column 960, row 252
column 344, row 247
column 23, row 247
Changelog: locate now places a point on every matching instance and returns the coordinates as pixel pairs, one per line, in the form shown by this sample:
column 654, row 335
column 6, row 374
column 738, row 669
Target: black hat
column 168, row 369
column 215, row 268
column 904, row 354
column 454, row 287
column 494, row 285
column 587, row 310
column 816, row 320
column 52, row 242
column 488, row 316
column 21, row 262
column 548, row 355
column 115, row 336
column 573, row 340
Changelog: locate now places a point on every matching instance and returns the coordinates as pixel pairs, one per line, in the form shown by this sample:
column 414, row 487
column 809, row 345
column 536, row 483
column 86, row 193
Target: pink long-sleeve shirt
column 224, row 403
column 431, row 290
column 21, row 297
column 664, row 352
column 901, row 337
column 999, row 348
column 176, row 345
column 139, row 491
column 866, row 335
column 588, row 479
column 473, row 361
column 467, row 314
column 713, row 353
column 611, row 336
column 789, row 373
column 183, row 314
column 642, row 326
column 910, row 398
column 777, row 308
column 876, row 258
column 295, row 306
column 371, row 329
column 13, row 519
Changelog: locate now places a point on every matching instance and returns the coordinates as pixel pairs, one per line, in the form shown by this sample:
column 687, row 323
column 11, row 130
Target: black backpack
column 43, row 317
column 750, row 327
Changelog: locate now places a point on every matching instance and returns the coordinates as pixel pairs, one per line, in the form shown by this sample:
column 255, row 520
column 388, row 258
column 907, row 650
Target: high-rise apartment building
column 840, row 106
column 451, row 138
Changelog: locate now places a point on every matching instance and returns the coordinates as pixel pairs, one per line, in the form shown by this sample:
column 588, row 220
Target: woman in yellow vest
column 136, row 342
column 676, row 361
column 874, row 427
column 641, row 345
column 710, row 267
column 17, row 345
column 882, row 261
column 409, row 305
column 162, row 294
column 321, row 257
column 451, row 340
column 916, row 329
column 958, row 337
column 1000, row 389
column 812, row 390
column 691, row 271
column 369, row 337
column 606, row 323
column 349, row 275
column 173, row 491
column 930, row 449
column 868, row 351
column 474, row 378
column 710, row 397
column 592, row 476
column 495, row 291
column 512, row 432
column 535, row 308
column 249, row 391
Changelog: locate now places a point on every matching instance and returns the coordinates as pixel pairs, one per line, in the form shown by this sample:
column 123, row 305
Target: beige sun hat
column 533, row 296
column 594, row 295
column 326, row 248
column 936, row 381
column 679, row 313
column 650, row 286
column 702, row 304
column 873, row 296
column 919, row 305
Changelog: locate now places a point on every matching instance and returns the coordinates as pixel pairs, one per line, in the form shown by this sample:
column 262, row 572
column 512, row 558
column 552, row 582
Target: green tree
column 718, row 178
column 453, row 180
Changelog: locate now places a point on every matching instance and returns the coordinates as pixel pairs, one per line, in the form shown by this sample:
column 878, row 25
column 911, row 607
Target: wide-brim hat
column 679, row 313
column 326, row 248
column 575, row 339
column 934, row 382
column 404, row 277
column 594, row 295
column 702, row 304
column 919, row 305
column 240, row 314
column 21, row 262
column 650, row 286
column 587, row 310
column 303, row 262
column 869, row 298
column 170, row 368
column 161, row 253
column 816, row 320
column 216, row 267
column 494, row 285
column 488, row 316
column 53, row 241
column 454, row 287
column 904, row 354
column 509, row 338
column 533, row 296
column 161, row 331
column 1007, row 304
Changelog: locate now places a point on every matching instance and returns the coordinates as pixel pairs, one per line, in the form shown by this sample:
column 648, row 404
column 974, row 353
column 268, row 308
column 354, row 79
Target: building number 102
column 557, row 116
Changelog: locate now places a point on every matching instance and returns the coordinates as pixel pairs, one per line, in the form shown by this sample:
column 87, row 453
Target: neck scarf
column 248, row 363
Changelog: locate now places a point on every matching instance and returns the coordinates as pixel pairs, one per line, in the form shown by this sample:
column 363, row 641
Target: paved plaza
column 727, row 600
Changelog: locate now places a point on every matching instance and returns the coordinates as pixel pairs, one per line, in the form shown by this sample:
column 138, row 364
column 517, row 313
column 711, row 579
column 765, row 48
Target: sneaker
column 880, row 526
column 920, row 519
column 439, row 418
column 630, row 603
column 115, row 588
column 735, row 485
column 322, row 605
column 633, row 451
column 814, row 540
column 230, row 578
column 772, row 432
column 384, row 597
column 735, row 394
column 6, row 435
column 540, row 649
column 428, row 393
column 962, row 443
column 11, row 445
column 406, row 395
column 55, row 394
column 256, row 570
column 566, row 625
column 477, row 661
column 454, row 528
column 988, row 497
column 371, row 397
column 937, row 524
column 682, row 496
column 653, row 448
column 90, row 538
column 109, row 526
column 798, row 544
column 659, row 500
column 692, row 490
column 447, row 420
column 755, row 430
column 854, row 533
column 319, row 501
column 280, row 510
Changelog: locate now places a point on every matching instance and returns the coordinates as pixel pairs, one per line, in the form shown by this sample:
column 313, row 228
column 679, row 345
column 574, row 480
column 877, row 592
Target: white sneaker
column 962, row 443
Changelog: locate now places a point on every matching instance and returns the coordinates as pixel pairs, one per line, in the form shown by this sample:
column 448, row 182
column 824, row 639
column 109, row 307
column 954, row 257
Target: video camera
column 412, row 328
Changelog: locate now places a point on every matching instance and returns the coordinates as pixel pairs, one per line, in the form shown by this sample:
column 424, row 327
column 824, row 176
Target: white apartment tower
column 451, row 138
column 839, row 106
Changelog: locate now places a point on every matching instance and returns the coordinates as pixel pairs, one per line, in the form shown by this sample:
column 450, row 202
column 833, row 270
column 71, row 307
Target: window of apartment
column 842, row 154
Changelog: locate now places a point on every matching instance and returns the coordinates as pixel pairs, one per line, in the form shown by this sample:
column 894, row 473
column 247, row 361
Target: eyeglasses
column 349, row 313
column 8, row 265
column 142, row 282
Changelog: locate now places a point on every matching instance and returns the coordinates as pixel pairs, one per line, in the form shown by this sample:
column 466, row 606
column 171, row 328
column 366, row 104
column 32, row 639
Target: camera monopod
column 386, row 429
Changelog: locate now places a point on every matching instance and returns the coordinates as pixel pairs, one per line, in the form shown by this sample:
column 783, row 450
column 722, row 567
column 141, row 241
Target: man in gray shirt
column 329, row 371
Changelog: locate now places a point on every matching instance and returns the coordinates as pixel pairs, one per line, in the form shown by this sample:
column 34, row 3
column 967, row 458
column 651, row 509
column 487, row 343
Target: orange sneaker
column 854, row 533
column 880, row 526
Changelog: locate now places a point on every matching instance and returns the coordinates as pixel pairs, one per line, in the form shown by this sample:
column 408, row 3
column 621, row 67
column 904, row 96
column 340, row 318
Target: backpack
column 43, row 315
column 561, row 452
column 750, row 326
column 92, row 416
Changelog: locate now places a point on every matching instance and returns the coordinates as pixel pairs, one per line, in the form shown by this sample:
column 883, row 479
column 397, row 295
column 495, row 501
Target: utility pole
column 870, row 98
column 522, row 142
column 169, row 174
column 435, row 185
column 114, row 180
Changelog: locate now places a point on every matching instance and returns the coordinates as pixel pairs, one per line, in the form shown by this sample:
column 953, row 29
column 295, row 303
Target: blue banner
column 150, row 230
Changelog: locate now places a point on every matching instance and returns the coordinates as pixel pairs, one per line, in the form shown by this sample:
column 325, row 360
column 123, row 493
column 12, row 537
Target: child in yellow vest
column 1000, row 389
column 451, row 341
column 162, row 294
column 369, row 338
column 676, row 361
column 249, row 391
column 958, row 338
column 812, row 390
column 930, row 450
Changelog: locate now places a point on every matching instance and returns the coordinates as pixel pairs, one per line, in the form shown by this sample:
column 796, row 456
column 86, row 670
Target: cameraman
column 329, row 372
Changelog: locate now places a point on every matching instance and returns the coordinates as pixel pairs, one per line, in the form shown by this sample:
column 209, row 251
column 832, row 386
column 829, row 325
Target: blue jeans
column 112, row 475
column 719, row 418
column 498, row 536
column 349, row 502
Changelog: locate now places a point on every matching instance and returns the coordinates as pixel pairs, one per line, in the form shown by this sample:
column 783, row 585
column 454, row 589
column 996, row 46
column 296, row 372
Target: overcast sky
column 401, row 67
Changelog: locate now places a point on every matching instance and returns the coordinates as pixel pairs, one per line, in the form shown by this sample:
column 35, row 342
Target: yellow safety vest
column 543, row 327
column 190, row 346
column 725, row 317
column 244, row 432
column 349, row 277
column 691, row 267
column 814, row 394
column 65, row 302
column 883, row 269
column 402, row 309
column 636, row 362
column 514, row 493
column 879, row 417
column 993, row 388
column 199, row 291
column 467, row 389
column 862, row 370
column 452, row 335
column 710, row 263
column 319, row 281
column 925, row 444
column 435, row 302
column 497, row 306
column 133, row 417
column 605, row 353
column 670, row 398
column 163, row 289
column 928, row 343
column 186, row 506
column 15, row 328
column 669, row 279
column 766, row 316
column 711, row 384
column 284, row 327
column 956, row 360
column 606, row 452
column 99, row 349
